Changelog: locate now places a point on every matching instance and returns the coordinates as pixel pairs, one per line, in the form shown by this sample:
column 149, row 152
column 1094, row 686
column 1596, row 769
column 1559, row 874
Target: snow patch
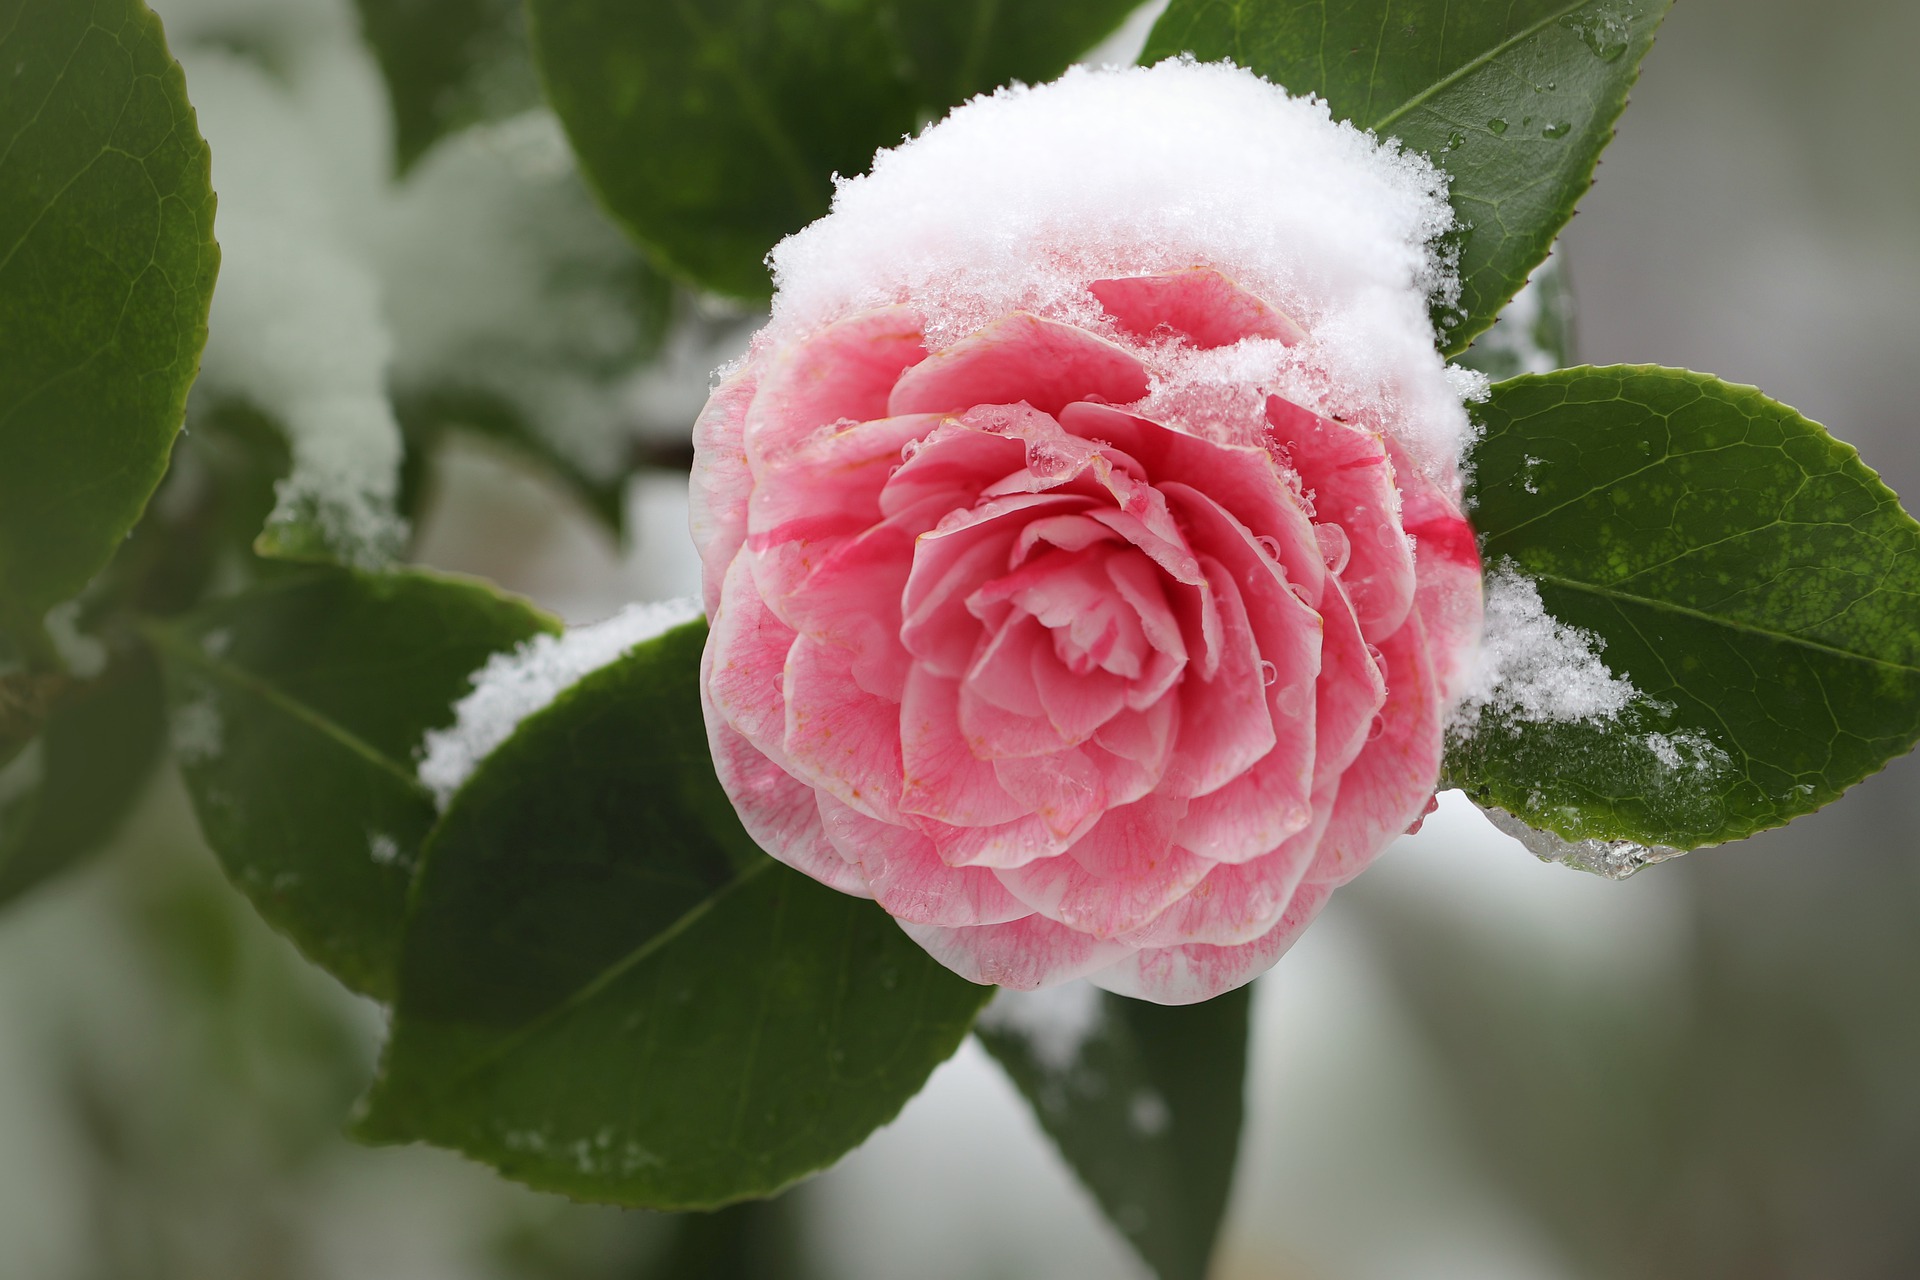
column 1017, row 200
column 1056, row 1022
column 1535, row 669
column 515, row 685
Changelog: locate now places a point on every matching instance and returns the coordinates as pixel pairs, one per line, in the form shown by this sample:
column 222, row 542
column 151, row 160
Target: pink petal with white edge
column 1351, row 478
column 1190, row 974
column 1198, row 304
column 720, row 483
column 906, row 876
column 842, row 374
column 852, row 600
column 1021, row 358
column 779, row 812
column 1226, row 724
column 839, row 737
column 1004, row 844
column 1024, row 954
column 1116, row 878
column 1245, row 481
column 1351, row 691
column 1239, row 902
column 1446, row 565
column 743, row 669
column 943, row 779
column 1386, row 789
column 831, row 483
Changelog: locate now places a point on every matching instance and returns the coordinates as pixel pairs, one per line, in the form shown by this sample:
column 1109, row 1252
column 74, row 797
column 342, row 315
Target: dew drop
column 1268, row 673
column 1270, row 545
column 1379, row 659
column 1455, row 140
column 1557, row 130
column 1335, row 547
column 1290, row 702
column 1496, row 126
column 1378, row 727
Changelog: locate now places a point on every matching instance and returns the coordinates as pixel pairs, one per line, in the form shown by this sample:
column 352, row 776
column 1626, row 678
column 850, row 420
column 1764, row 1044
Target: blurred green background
column 1477, row 1066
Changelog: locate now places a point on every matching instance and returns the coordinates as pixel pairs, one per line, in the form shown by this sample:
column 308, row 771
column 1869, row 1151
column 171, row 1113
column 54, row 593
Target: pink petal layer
column 1447, row 569
column 1190, row 974
column 720, row 483
column 839, row 737
column 779, row 812
column 1021, row 358
column 841, row 375
column 1024, row 954
column 1351, row 478
column 904, row 873
column 1198, row 304
column 743, row 670
column 1116, row 878
column 1386, row 789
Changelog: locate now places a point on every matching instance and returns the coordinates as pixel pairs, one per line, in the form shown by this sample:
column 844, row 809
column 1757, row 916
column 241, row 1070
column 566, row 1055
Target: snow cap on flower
column 1018, row 198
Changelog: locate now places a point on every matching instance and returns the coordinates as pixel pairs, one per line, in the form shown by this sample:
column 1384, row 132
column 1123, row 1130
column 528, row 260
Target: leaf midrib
column 609, row 974
column 1734, row 624
column 1468, row 68
column 240, row 678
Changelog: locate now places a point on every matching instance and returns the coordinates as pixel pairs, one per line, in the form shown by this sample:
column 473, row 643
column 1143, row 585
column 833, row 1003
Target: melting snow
column 1056, row 1022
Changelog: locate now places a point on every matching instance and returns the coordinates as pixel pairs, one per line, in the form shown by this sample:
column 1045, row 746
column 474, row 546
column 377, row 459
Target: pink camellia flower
column 1055, row 627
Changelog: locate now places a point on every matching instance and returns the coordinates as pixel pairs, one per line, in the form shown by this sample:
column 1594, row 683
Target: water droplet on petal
column 1378, row 727
column 1379, row 659
column 1290, row 701
column 1270, row 545
column 1268, row 672
column 1335, row 547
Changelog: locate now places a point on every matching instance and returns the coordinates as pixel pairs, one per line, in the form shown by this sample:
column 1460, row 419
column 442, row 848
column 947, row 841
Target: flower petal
column 1023, row 954
column 839, row 737
column 720, row 482
column 1190, row 974
column 1116, row 878
column 841, row 374
column 1021, row 358
column 1199, row 304
column 1386, row 789
column 779, row 811
column 1351, row 478
column 1226, row 724
column 904, row 873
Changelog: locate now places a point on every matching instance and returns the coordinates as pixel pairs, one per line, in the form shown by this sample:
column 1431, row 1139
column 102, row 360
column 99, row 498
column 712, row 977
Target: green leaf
column 1143, row 1100
column 448, row 64
column 712, row 128
column 67, row 794
column 107, row 262
column 296, row 711
column 1516, row 101
column 1753, row 579
column 608, row 990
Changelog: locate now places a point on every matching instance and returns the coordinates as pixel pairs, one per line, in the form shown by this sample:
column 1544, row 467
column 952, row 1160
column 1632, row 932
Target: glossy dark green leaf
column 1516, row 101
column 712, row 128
column 107, row 262
column 1143, row 1100
column 448, row 64
column 67, row 794
column 297, row 708
column 1752, row 578
column 608, row 990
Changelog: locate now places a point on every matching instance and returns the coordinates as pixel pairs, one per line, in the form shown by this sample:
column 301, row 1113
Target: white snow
column 297, row 328
column 1056, row 1022
column 1535, row 669
column 515, row 685
column 1018, row 199
column 84, row 655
